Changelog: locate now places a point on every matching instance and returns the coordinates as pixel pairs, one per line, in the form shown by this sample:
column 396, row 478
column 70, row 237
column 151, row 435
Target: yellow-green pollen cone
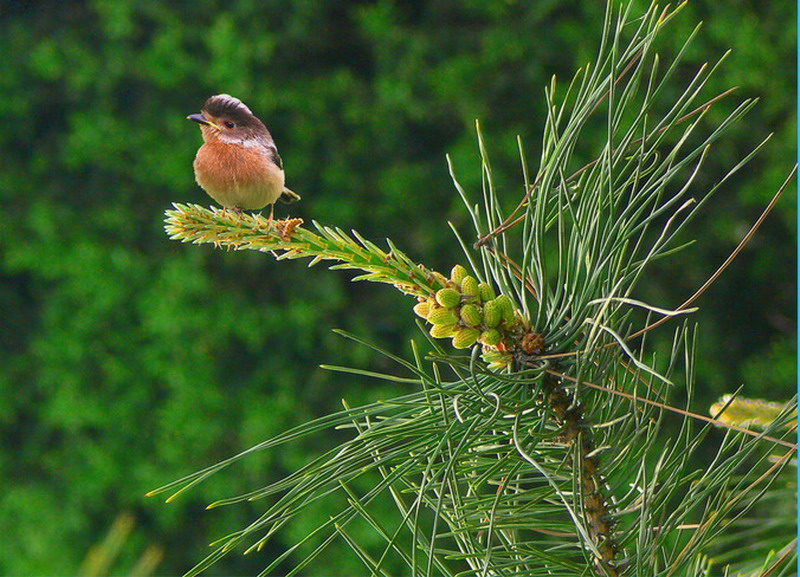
column 469, row 312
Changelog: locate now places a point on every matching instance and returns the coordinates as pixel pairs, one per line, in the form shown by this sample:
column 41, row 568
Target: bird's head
column 226, row 118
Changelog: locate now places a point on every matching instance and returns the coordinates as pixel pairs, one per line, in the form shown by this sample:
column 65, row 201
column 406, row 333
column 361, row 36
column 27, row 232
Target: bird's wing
column 272, row 151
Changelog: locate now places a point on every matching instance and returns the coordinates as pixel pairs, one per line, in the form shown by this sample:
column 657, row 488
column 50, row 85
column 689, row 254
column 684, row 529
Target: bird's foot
column 235, row 209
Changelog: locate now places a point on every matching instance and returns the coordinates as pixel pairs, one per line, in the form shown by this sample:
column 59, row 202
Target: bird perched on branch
column 238, row 164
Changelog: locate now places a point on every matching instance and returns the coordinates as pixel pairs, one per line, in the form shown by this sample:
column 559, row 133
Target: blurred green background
column 128, row 360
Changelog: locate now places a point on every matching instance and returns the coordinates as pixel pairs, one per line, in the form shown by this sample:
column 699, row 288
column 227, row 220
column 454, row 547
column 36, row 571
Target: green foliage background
column 127, row 360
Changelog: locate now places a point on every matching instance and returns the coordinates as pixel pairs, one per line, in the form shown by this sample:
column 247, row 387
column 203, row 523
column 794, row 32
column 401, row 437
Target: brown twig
column 785, row 554
column 746, row 239
column 729, row 505
column 666, row 407
column 509, row 223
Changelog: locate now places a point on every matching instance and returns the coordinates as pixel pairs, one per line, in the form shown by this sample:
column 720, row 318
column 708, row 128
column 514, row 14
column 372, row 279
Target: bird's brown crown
column 229, row 107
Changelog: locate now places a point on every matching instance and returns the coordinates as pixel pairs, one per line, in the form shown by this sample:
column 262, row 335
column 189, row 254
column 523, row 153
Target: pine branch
column 288, row 239
column 460, row 307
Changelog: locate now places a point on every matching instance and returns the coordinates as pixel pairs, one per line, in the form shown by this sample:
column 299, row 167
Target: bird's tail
column 288, row 196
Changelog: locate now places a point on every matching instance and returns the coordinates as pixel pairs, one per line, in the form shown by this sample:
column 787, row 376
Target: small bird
column 238, row 164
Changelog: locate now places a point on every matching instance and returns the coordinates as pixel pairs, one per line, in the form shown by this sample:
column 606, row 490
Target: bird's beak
column 201, row 119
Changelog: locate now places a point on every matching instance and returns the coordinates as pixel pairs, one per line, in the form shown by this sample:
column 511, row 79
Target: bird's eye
column 229, row 124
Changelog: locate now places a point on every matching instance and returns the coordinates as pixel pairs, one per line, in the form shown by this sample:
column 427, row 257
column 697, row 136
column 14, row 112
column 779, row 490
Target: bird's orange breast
column 238, row 176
